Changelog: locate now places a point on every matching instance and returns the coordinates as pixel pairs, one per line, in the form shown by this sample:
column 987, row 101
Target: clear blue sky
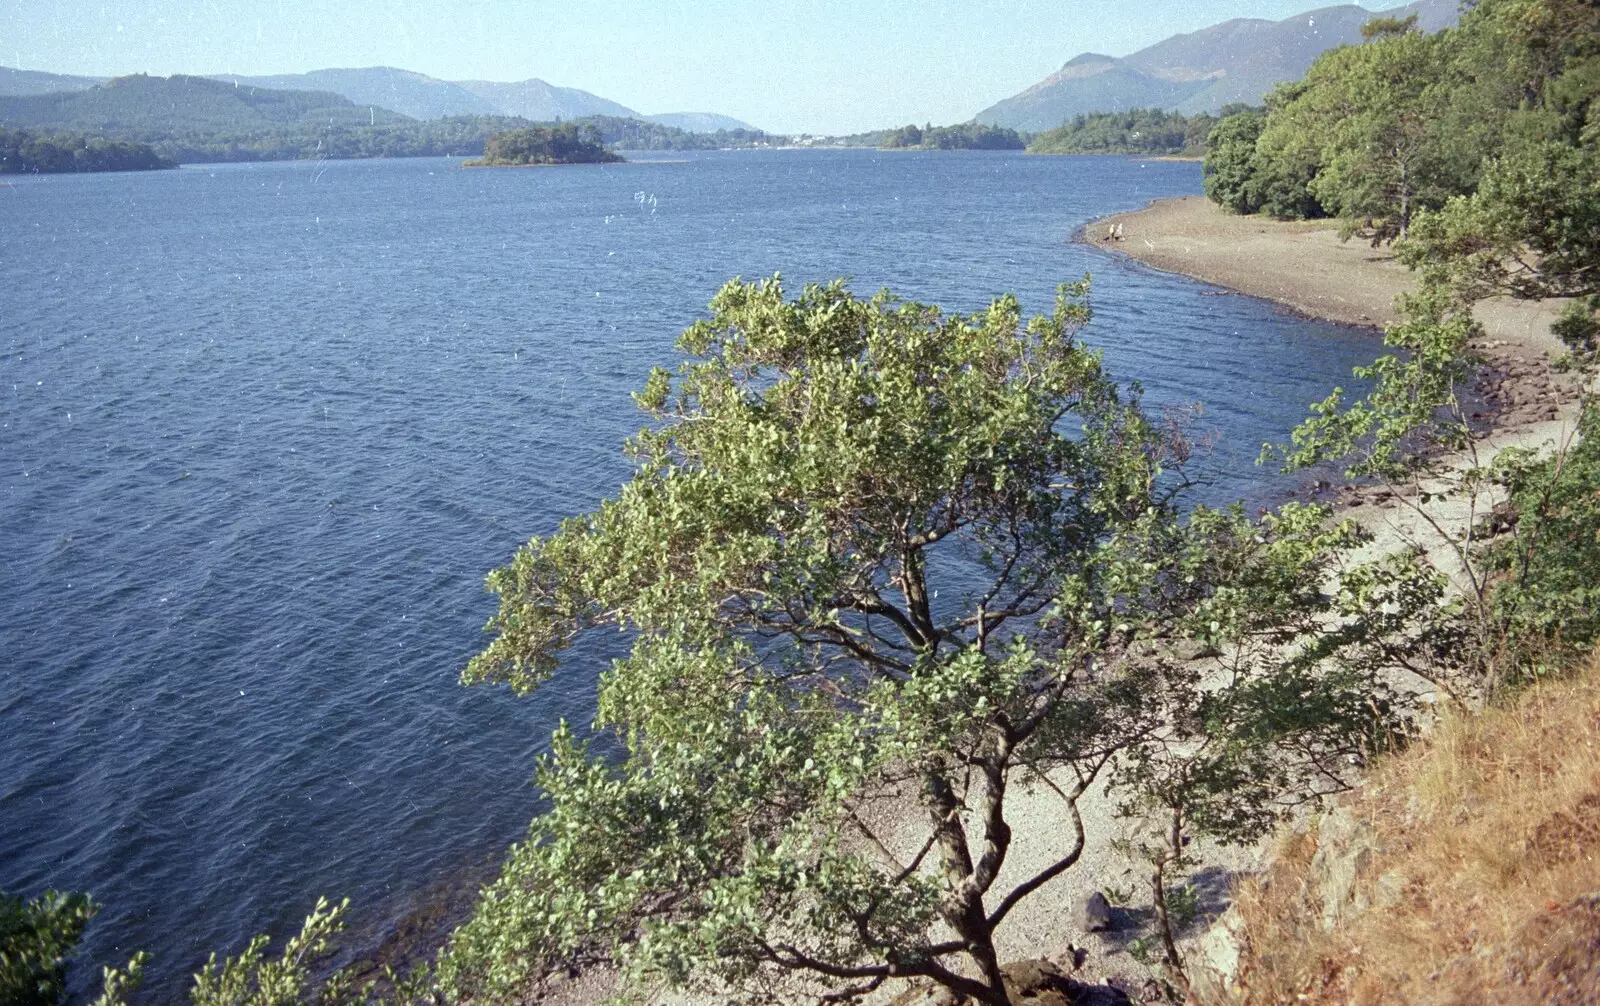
column 817, row 65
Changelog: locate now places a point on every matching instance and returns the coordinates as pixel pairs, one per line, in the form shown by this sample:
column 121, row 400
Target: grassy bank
column 1465, row 871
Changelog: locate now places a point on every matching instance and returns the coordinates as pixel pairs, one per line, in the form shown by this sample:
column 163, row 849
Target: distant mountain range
column 1236, row 61
column 199, row 119
column 415, row 95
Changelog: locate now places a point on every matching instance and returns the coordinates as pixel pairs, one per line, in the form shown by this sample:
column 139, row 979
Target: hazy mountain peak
column 405, row 91
column 1237, row 60
column 542, row 101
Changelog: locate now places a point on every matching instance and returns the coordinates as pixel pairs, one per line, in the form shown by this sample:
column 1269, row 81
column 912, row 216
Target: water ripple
column 260, row 440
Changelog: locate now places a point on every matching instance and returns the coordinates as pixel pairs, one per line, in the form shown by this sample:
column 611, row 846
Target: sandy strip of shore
column 1304, row 266
column 1300, row 264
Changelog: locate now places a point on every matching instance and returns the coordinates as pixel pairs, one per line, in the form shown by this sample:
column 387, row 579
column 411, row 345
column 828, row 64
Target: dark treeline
column 24, row 151
column 566, row 143
column 458, row 136
column 1403, row 124
column 455, row 136
column 966, row 136
column 1148, row 131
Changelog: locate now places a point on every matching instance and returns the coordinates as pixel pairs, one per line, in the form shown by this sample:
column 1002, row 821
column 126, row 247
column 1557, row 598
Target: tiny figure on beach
column 1113, row 232
column 1119, row 232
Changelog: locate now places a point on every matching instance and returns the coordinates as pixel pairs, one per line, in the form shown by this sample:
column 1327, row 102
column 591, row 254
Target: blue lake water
column 264, row 428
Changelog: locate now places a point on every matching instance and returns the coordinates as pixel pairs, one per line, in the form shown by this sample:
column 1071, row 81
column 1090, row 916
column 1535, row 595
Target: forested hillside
column 1384, row 133
column 634, row 134
column 156, row 105
column 1147, row 131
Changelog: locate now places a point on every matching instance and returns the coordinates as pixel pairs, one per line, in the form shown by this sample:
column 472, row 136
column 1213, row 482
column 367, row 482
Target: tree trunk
column 964, row 910
column 1173, row 853
column 1405, row 195
column 1158, row 888
column 914, row 585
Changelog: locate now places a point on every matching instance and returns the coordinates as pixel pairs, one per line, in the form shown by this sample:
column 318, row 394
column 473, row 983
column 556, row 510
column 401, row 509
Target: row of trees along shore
column 197, row 120
column 885, row 569
column 1147, row 131
column 454, row 136
column 967, row 136
column 27, row 151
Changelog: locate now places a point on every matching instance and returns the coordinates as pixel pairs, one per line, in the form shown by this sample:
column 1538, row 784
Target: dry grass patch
column 1481, row 879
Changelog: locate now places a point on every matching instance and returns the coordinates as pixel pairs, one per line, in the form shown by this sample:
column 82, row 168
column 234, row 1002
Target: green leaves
column 1231, row 166
column 1415, row 400
column 251, row 978
column 37, row 938
column 563, row 143
column 805, row 457
column 1484, row 123
column 875, row 556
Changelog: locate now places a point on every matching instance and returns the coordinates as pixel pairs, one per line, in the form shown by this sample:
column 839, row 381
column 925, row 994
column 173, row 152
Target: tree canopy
column 877, row 556
column 967, row 136
column 1382, row 133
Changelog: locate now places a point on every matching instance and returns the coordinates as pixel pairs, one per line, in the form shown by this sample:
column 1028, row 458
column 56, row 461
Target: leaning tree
column 882, row 566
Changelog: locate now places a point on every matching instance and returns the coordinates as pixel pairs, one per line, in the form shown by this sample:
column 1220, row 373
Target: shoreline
column 1303, row 267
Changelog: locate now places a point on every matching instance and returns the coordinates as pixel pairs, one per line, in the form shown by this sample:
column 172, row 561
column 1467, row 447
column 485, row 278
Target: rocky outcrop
column 1345, row 851
column 1093, row 914
column 1337, row 885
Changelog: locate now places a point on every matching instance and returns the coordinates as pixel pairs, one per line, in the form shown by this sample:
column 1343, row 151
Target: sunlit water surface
column 263, row 429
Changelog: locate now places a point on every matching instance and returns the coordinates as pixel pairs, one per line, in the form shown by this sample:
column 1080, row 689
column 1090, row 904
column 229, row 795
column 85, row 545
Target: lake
column 264, row 428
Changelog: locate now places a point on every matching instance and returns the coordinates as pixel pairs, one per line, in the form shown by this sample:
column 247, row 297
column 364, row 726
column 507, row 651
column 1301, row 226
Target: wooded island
column 563, row 143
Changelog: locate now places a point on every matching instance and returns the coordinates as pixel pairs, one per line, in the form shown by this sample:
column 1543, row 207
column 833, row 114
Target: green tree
column 37, row 938
column 31, row 151
column 874, row 555
column 1375, row 109
column 1529, row 230
column 905, row 136
column 1138, row 131
column 967, row 136
column 1231, row 167
column 1289, row 155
